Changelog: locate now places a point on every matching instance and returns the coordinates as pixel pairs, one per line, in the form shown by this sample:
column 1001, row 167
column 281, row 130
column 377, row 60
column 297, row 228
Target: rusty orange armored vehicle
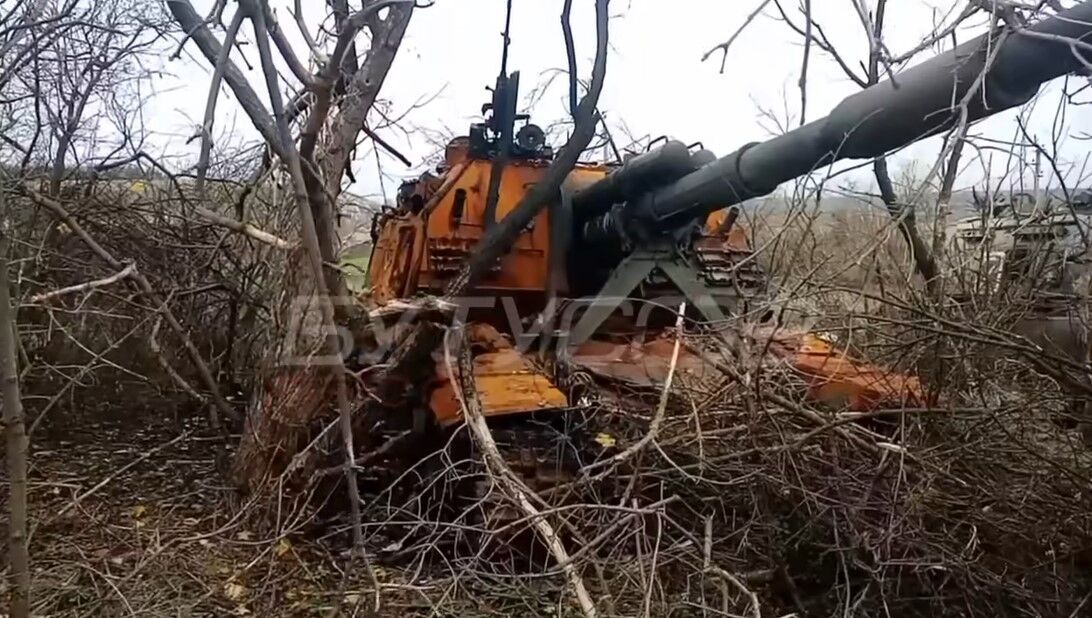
column 572, row 286
column 632, row 254
column 597, row 278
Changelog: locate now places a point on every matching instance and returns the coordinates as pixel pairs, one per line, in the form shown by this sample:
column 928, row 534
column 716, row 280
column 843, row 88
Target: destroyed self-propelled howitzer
column 590, row 276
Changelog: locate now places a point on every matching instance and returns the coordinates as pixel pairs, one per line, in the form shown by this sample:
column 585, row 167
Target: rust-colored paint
column 833, row 378
column 641, row 364
column 506, row 381
column 399, row 248
column 457, row 223
column 736, row 237
column 391, row 267
column 452, row 222
column 840, row 380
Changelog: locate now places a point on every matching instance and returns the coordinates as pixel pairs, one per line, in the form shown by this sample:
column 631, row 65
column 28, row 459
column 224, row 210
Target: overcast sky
column 656, row 82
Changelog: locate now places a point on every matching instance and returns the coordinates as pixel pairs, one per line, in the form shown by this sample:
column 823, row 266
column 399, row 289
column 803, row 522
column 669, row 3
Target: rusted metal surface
column 392, row 265
column 837, row 379
column 419, row 249
column 641, row 364
column 507, row 382
column 455, row 224
column 832, row 377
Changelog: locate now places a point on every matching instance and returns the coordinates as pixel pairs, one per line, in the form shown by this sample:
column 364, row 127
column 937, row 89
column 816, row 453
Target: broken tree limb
column 141, row 283
column 385, row 145
column 244, row 228
column 87, row 285
column 513, row 488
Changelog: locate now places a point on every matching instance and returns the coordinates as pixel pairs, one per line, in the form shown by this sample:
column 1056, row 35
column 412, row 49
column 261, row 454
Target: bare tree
column 23, row 28
column 15, row 435
column 334, row 102
column 873, row 70
column 85, row 71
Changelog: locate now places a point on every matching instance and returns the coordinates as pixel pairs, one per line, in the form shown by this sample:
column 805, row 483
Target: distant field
column 356, row 269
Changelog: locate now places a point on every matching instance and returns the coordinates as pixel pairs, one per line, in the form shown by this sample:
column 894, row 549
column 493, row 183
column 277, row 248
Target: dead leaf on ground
column 283, row 547
column 234, row 591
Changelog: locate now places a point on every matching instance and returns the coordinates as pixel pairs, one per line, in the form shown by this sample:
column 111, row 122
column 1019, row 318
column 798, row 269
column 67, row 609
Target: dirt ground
column 135, row 520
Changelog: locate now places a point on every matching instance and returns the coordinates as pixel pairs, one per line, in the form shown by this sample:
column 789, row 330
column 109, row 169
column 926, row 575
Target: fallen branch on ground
column 661, row 407
column 241, row 227
column 739, row 585
column 515, row 490
column 122, row 470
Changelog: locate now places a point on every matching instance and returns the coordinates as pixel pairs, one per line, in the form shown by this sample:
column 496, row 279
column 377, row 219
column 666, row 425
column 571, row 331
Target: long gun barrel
column 921, row 101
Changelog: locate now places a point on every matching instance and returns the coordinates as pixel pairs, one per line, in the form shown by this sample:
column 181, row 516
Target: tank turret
column 919, row 102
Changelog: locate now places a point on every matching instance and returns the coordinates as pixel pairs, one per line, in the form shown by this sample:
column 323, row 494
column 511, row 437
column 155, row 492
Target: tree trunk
column 16, row 436
column 903, row 214
column 361, row 91
column 906, row 219
column 292, row 393
column 296, row 393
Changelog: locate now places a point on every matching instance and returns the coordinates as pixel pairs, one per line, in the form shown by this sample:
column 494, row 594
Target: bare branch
column 285, row 48
column 820, row 40
column 244, row 228
column 210, row 104
column 570, row 54
column 723, row 47
column 305, row 32
column 803, row 83
column 515, row 490
column 16, row 442
column 212, row 49
column 348, row 33
column 142, row 283
column 83, row 287
column 936, row 37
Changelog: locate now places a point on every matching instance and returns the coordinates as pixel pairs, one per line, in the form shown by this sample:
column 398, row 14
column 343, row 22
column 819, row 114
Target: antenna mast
column 507, row 40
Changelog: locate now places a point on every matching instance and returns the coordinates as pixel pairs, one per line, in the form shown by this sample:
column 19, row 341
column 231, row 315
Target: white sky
column 656, row 82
